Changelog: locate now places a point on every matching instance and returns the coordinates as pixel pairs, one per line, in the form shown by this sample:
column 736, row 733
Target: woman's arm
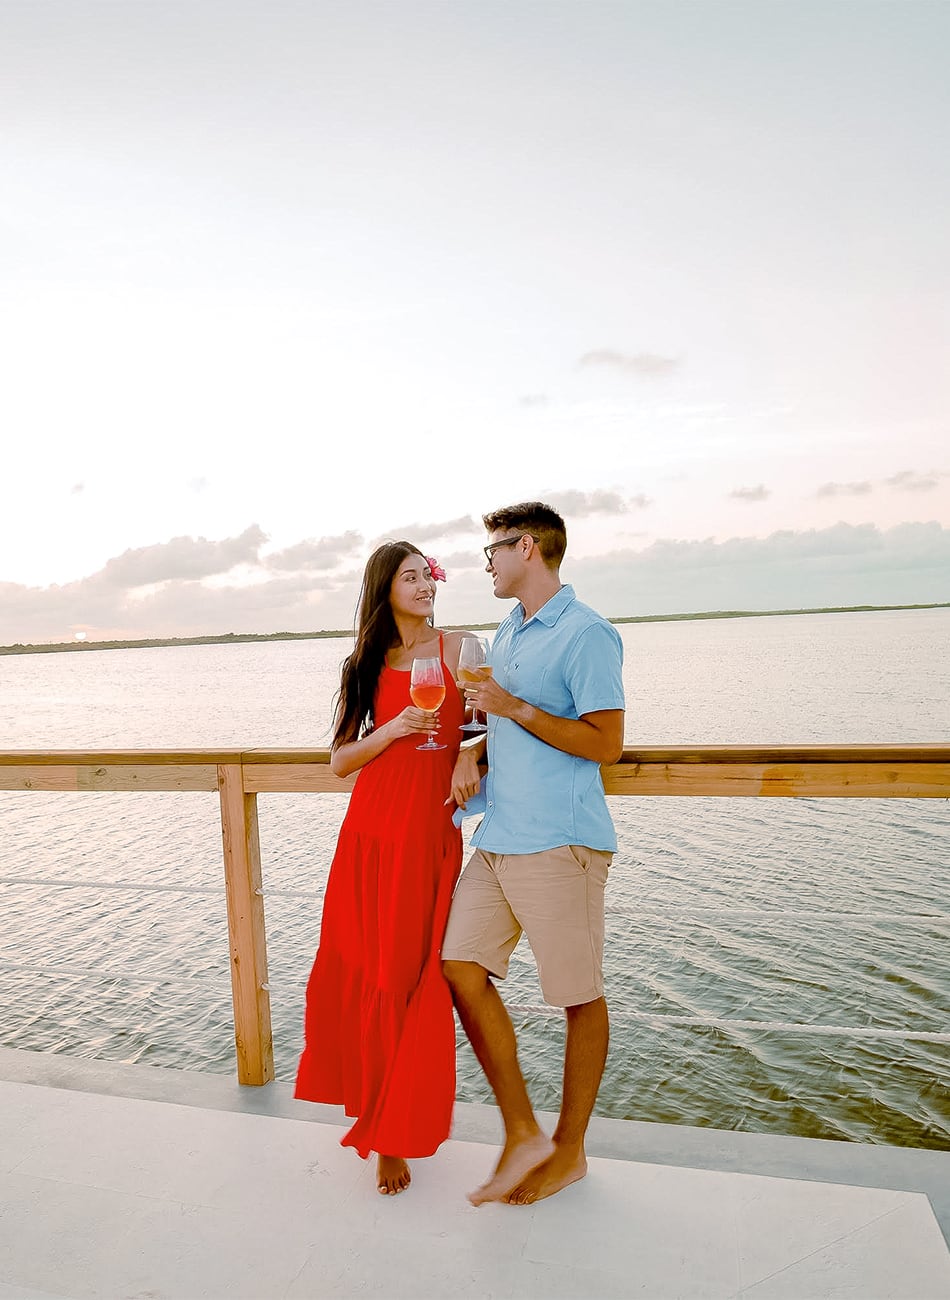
column 348, row 756
column 465, row 774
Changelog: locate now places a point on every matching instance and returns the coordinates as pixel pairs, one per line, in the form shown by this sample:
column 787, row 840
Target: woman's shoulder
column 451, row 643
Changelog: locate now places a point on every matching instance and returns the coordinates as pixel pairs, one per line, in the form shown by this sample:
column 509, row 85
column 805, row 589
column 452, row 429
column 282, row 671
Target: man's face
column 505, row 560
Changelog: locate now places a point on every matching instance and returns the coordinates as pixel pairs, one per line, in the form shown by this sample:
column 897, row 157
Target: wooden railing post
column 253, row 1036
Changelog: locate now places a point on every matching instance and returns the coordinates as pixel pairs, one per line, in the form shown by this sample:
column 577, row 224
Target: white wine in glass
column 473, row 668
column 427, row 691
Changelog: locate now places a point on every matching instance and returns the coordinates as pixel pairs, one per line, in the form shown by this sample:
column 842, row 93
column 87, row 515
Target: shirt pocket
column 522, row 680
column 553, row 695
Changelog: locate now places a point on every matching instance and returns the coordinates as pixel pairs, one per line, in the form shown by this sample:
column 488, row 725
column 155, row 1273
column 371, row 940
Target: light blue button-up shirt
column 567, row 660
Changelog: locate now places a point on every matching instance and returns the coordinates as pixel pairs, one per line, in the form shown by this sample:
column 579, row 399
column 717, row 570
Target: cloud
column 533, row 399
column 473, row 559
column 643, row 365
column 276, row 604
column 579, row 504
column 758, row 493
column 844, row 489
column 908, row 480
column 841, row 565
column 182, row 557
column 326, row 553
column 420, row 533
column 905, row 480
column 187, row 607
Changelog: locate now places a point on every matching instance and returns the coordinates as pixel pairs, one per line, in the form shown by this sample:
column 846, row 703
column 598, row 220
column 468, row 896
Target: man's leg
column 492, row 1035
column 588, row 1034
column 561, row 902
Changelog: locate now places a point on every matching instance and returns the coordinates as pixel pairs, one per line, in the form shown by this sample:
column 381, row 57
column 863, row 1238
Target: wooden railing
column 239, row 776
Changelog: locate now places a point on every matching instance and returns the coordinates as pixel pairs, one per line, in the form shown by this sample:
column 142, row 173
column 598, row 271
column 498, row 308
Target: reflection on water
column 832, row 912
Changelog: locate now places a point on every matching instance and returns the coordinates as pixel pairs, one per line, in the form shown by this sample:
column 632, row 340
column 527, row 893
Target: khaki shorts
column 556, row 897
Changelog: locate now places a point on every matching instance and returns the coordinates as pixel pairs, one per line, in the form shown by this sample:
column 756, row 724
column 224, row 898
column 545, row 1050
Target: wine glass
column 473, row 668
column 427, row 691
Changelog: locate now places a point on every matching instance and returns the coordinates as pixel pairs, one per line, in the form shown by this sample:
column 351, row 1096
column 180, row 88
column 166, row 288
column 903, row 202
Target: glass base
column 430, row 744
column 472, row 727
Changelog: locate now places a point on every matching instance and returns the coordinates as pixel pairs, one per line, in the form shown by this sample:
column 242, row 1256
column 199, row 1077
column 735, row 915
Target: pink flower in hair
column 437, row 572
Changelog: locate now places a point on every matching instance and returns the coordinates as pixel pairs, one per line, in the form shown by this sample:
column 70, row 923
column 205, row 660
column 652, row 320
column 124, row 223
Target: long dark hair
column 376, row 634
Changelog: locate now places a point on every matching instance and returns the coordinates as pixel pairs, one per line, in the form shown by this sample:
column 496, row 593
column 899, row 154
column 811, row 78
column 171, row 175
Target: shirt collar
column 550, row 611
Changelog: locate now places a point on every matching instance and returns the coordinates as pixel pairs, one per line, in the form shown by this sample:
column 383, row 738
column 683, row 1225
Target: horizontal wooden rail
column 239, row 775
column 795, row 771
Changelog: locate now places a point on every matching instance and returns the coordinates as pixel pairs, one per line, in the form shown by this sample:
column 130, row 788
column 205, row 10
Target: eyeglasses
column 505, row 541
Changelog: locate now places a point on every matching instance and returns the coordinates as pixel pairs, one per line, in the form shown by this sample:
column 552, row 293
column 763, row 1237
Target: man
column 554, row 702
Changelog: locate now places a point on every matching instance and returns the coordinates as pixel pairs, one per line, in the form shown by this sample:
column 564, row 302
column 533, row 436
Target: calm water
column 113, row 939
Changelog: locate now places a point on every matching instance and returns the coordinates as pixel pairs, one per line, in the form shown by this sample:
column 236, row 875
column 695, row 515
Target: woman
column 379, row 1027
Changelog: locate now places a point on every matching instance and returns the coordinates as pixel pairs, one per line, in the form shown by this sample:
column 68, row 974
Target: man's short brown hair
column 533, row 517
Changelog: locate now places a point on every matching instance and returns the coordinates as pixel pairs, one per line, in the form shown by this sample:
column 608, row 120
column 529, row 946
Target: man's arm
column 597, row 736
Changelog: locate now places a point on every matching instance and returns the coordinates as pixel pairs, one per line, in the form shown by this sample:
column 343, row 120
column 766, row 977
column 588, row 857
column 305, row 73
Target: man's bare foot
column 565, row 1166
column 515, row 1161
column 392, row 1175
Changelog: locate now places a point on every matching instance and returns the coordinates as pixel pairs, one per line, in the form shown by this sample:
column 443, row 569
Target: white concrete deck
column 122, row 1196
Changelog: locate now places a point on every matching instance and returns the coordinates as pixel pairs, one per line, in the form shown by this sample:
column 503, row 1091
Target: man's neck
column 539, row 594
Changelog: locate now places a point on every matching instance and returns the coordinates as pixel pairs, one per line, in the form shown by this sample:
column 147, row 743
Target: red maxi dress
column 379, row 1028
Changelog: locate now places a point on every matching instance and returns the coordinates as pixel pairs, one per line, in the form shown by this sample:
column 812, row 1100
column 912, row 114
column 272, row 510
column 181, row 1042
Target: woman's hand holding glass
column 411, row 722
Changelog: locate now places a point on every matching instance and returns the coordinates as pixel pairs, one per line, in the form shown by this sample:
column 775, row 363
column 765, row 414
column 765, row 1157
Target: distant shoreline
column 235, row 638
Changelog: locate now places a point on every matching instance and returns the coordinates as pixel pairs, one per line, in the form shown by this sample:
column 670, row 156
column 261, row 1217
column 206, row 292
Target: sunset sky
column 283, row 279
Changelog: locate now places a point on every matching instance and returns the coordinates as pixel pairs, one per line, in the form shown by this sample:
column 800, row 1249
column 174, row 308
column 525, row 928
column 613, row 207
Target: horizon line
column 236, row 638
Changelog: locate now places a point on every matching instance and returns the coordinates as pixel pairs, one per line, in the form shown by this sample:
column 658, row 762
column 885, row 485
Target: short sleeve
column 594, row 669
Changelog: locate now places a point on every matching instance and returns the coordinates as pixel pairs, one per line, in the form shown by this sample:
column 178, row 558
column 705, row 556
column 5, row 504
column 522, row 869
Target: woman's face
column 412, row 591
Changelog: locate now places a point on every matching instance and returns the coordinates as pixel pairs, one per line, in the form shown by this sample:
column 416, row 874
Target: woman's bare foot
column 392, row 1175
column 516, row 1160
column 565, row 1166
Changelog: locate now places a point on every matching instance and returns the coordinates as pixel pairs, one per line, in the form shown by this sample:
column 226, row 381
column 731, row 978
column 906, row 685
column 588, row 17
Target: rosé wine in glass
column 427, row 691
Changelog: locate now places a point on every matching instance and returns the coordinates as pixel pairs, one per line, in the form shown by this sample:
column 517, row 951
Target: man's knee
column 584, row 1013
column 465, row 978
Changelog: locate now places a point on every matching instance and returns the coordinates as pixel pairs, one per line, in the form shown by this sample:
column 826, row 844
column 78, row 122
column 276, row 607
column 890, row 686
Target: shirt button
column 491, row 803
